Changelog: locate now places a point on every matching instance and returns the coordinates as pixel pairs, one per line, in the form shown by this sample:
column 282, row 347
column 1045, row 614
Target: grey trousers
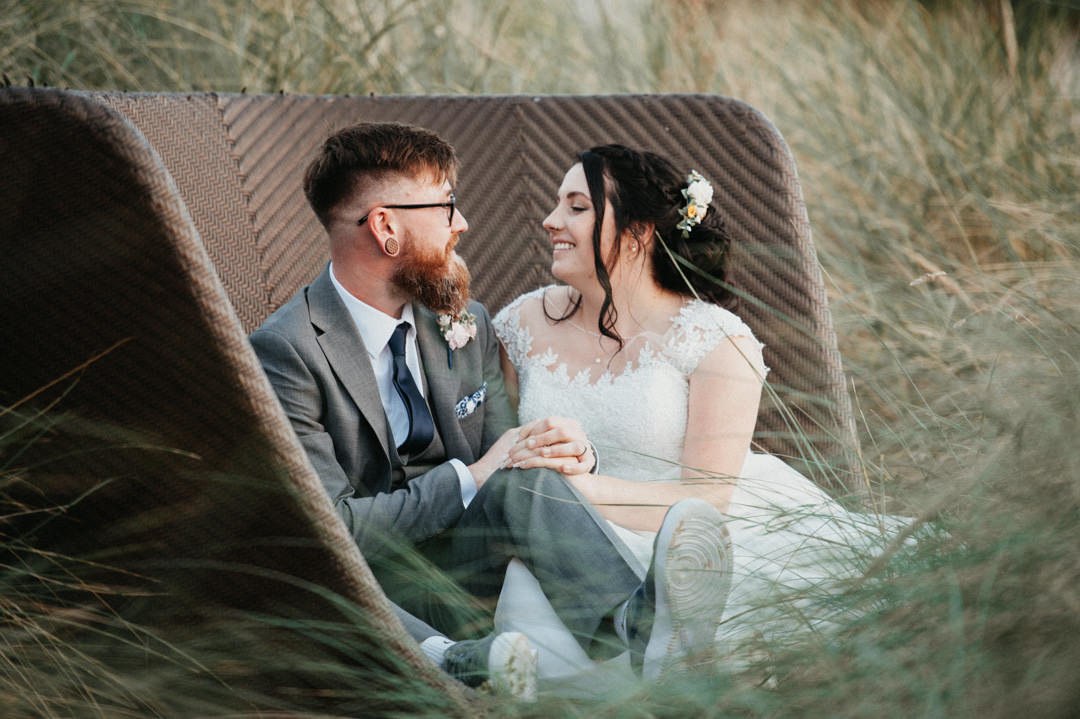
column 539, row 518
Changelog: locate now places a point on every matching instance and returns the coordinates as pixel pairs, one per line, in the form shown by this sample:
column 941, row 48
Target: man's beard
column 435, row 281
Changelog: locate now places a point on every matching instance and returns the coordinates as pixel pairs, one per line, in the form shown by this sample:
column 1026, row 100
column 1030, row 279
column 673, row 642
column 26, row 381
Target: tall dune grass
column 937, row 147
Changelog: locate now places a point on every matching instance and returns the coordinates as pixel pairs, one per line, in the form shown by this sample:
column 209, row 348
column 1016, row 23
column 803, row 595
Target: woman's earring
column 391, row 247
column 633, row 247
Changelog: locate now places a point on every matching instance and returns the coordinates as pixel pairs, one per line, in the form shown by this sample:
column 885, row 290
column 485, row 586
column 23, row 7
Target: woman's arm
column 725, row 391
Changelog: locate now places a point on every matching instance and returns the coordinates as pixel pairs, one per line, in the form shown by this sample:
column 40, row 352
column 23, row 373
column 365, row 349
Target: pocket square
column 468, row 404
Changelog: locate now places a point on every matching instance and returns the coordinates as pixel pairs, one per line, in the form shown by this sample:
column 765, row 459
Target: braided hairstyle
column 643, row 187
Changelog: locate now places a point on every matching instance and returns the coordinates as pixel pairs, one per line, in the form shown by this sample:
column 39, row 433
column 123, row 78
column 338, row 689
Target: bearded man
column 409, row 428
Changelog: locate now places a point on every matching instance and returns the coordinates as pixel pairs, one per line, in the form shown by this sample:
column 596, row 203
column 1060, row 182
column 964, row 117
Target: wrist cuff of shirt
column 467, row 481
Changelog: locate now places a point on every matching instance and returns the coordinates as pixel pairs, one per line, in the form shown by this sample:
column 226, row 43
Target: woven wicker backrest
column 238, row 161
column 169, row 446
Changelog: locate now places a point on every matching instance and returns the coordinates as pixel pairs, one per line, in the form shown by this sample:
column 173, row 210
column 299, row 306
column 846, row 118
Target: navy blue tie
column 421, row 427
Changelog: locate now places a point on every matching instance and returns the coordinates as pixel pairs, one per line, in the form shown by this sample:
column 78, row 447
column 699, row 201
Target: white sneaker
column 675, row 612
column 507, row 660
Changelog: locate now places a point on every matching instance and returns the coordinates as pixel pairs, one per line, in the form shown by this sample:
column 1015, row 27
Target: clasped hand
column 557, row 443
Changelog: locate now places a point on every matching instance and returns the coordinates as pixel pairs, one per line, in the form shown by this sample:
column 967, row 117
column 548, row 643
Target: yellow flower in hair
column 698, row 194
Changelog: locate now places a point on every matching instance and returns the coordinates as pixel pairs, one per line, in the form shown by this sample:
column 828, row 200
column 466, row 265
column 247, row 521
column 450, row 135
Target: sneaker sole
column 693, row 575
column 512, row 666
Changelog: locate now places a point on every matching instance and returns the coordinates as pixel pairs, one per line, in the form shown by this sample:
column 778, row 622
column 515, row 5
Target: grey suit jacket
column 318, row 365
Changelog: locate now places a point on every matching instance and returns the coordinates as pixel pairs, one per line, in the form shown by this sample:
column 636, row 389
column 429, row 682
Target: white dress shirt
column 375, row 329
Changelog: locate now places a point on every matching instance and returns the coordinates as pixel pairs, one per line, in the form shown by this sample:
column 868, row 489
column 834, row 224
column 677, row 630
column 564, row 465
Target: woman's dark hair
column 645, row 188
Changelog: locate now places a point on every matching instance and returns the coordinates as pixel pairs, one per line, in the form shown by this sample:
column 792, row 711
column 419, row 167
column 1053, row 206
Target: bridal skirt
column 794, row 549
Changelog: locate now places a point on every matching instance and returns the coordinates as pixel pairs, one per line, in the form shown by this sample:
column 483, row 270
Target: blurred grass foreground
column 937, row 147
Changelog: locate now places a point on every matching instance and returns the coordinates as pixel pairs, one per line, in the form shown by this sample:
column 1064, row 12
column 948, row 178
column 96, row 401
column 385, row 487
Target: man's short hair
column 371, row 152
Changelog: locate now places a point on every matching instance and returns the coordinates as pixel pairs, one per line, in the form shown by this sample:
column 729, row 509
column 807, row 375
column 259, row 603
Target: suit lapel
column 345, row 351
column 443, row 384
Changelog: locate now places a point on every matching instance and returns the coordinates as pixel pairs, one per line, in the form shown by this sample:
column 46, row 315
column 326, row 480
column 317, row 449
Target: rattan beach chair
column 145, row 235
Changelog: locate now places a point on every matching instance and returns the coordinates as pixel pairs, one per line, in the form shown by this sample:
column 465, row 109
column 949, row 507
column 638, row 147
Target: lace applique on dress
column 507, row 324
column 698, row 329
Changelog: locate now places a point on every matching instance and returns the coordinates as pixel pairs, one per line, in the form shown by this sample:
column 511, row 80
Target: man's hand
column 495, row 458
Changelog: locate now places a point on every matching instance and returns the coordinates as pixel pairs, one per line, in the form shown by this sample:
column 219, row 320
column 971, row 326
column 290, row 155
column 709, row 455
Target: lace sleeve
column 516, row 339
column 700, row 327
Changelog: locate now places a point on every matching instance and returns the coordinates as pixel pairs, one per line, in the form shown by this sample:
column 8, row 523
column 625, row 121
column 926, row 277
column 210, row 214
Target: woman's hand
column 557, row 443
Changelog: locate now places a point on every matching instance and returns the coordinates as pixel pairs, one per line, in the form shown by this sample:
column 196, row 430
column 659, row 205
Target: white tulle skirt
column 794, row 546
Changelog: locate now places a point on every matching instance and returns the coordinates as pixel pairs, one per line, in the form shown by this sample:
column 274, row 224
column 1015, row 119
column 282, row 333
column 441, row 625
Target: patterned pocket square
column 468, row 404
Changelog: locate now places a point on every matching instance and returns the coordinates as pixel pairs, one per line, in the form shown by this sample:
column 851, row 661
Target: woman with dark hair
column 641, row 346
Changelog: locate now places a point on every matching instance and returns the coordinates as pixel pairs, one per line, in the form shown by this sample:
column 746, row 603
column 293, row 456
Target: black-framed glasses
column 448, row 204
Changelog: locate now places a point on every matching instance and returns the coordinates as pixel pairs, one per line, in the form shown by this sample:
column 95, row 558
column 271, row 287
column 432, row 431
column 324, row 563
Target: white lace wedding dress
column 791, row 541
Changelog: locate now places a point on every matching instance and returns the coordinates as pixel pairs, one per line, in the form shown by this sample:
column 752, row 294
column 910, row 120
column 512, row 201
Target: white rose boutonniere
column 457, row 330
column 698, row 194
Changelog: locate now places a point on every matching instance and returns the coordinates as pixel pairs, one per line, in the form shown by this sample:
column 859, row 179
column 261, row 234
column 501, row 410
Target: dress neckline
column 671, row 321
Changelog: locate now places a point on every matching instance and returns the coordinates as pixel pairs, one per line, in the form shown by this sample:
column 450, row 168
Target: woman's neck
column 642, row 305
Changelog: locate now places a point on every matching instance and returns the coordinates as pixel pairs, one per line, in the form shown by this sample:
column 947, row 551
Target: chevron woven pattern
column 187, row 132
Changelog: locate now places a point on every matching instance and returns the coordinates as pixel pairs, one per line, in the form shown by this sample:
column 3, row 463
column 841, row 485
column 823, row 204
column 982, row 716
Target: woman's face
column 570, row 227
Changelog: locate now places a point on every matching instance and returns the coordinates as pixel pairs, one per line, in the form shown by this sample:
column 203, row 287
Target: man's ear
column 385, row 231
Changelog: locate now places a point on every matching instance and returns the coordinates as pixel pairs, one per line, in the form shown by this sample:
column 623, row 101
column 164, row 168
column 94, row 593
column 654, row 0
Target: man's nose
column 460, row 224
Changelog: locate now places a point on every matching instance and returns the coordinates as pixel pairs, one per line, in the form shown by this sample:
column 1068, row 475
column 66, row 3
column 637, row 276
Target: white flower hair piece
column 698, row 194
column 457, row 330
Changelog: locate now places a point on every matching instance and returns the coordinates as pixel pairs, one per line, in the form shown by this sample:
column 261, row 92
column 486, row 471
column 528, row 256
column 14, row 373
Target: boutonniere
column 457, row 330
